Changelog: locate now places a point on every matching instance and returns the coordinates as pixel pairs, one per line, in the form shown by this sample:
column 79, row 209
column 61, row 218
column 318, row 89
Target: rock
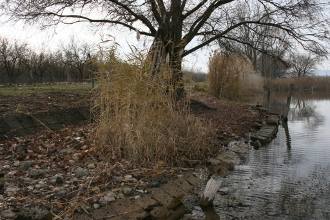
column 81, row 172
column 239, row 147
column 21, row 151
column 224, row 191
column 91, row 166
column 2, row 183
column 35, row 213
column 129, row 178
column 126, row 190
column 61, row 193
column 41, row 184
column 212, row 186
column 66, row 151
column 57, row 179
column 273, row 120
column 8, row 214
column 229, row 157
column 155, row 184
column 12, row 173
column 76, row 156
column 16, row 163
column 11, row 190
column 96, row 206
column 25, row 165
column 109, row 197
column 256, row 144
column 37, row 173
column 196, row 214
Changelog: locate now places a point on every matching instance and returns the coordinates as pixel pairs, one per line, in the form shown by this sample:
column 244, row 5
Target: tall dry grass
column 232, row 76
column 140, row 122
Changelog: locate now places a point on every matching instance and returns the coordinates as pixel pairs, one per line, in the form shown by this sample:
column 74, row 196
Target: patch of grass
column 24, row 90
column 139, row 121
column 232, row 76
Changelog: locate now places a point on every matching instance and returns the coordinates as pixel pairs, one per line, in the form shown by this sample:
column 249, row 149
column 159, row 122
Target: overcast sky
column 51, row 38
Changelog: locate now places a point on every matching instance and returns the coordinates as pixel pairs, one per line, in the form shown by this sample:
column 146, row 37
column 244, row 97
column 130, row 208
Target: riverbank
column 58, row 173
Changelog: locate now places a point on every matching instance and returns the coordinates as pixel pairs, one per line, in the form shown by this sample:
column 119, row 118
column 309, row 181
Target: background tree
column 181, row 27
column 21, row 64
column 303, row 64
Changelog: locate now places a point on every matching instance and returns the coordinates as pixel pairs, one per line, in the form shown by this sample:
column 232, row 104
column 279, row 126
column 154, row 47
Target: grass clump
column 232, row 76
column 140, row 122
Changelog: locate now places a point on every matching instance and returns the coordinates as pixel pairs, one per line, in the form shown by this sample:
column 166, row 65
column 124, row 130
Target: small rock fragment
column 109, row 197
column 8, row 214
column 81, row 172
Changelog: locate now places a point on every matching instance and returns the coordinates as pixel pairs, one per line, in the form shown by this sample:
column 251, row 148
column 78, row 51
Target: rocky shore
column 57, row 175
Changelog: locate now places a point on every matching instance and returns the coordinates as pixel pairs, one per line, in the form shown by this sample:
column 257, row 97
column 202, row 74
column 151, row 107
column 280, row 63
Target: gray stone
column 21, row 151
column 57, row 179
column 35, row 213
column 2, row 183
column 91, row 166
column 96, row 206
column 109, row 197
column 8, row 214
column 41, row 184
column 37, row 173
column 25, row 165
column 81, row 172
column 126, row 190
column 224, row 191
column 11, row 190
column 129, row 178
column 66, row 151
column 61, row 193
column 256, row 144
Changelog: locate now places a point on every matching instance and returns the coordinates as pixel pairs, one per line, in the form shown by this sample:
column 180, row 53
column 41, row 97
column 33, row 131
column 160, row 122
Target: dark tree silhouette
column 181, row 27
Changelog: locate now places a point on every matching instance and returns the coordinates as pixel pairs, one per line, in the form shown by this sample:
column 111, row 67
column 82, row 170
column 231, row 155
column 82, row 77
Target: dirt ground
column 55, row 173
column 36, row 98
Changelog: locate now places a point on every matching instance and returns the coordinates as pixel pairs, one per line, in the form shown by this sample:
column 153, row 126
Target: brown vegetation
column 140, row 121
column 232, row 76
column 302, row 84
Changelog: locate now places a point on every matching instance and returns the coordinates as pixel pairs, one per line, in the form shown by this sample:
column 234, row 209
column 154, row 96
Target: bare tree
column 77, row 58
column 12, row 58
column 181, row 27
column 303, row 64
column 265, row 46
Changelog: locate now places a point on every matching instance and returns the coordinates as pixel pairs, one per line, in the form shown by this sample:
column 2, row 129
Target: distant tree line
column 21, row 64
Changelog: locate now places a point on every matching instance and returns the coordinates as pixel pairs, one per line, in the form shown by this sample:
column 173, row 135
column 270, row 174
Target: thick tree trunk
column 168, row 56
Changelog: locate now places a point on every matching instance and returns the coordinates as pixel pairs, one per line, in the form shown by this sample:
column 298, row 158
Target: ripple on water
column 284, row 181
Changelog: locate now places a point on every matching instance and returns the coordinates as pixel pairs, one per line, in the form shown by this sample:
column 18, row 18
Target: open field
column 43, row 97
column 25, row 90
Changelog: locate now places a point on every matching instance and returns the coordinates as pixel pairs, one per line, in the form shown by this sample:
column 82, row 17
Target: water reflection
column 290, row 178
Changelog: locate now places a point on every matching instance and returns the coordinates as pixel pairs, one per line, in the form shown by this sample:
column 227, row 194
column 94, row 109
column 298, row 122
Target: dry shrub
column 141, row 123
column 231, row 76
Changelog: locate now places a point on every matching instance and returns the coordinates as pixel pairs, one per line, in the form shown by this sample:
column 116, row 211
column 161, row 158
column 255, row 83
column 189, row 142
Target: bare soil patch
column 32, row 103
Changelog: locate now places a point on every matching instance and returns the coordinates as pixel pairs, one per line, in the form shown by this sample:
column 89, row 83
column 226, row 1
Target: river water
column 289, row 178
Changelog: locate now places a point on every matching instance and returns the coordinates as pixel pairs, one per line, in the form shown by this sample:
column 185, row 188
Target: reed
column 140, row 121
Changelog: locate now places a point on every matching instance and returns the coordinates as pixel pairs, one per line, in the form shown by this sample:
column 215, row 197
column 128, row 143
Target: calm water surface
column 290, row 178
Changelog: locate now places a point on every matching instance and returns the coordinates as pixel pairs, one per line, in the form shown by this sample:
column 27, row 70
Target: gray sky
column 51, row 38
